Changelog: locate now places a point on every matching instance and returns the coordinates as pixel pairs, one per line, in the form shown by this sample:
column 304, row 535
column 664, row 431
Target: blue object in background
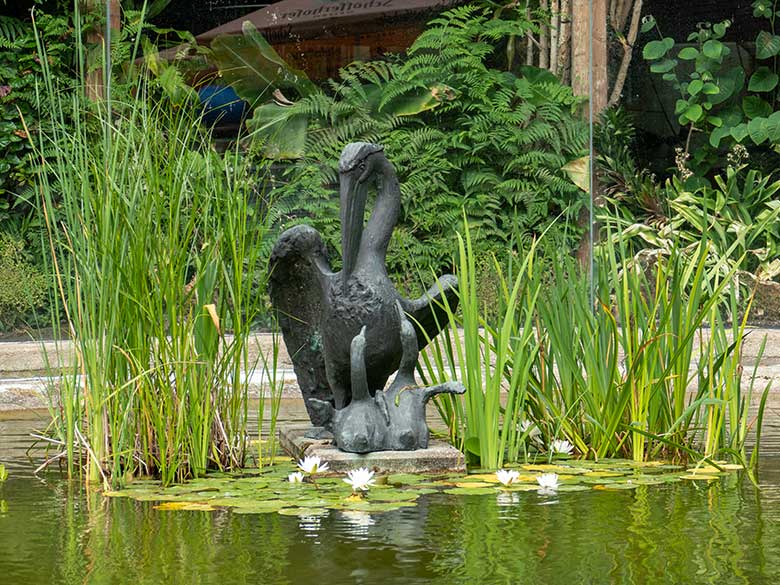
column 221, row 105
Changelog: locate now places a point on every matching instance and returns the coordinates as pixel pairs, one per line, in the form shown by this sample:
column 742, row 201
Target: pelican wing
column 429, row 313
column 298, row 272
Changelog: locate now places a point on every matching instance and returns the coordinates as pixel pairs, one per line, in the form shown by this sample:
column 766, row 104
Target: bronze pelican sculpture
column 321, row 311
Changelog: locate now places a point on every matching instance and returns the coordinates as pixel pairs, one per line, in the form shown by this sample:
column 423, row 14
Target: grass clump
column 156, row 241
column 653, row 370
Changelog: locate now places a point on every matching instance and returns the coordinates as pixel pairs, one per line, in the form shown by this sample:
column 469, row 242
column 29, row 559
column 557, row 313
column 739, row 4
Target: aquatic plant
column 507, row 477
column 156, row 242
column 654, row 369
column 312, row 464
column 482, row 360
column 360, row 479
column 296, row 477
column 266, row 491
column 3, row 473
column 561, row 447
column 547, row 481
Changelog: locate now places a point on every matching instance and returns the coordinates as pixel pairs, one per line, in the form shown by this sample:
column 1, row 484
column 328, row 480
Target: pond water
column 53, row 531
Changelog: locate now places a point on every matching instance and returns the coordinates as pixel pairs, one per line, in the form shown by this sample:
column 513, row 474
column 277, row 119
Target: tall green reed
column 653, row 370
column 489, row 421
column 156, row 242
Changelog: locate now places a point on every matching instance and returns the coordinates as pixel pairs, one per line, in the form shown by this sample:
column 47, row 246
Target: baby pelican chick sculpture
column 321, row 312
column 389, row 420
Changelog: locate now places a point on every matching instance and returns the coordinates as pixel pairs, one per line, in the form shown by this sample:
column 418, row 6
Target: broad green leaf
column 730, row 82
column 715, row 121
column 281, row 132
column 767, row 45
column 720, row 28
column 578, row 171
column 648, row 22
column 763, row 79
column 719, row 134
column 688, row 53
column 757, row 130
column 772, row 127
column 536, row 74
column 739, row 132
column 693, row 113
column 663, row 66
column 710, row 89
column 472, row 445
column 695, row 86
column 762, row 9
column 755, row 107
column 713, row 49
column 657, row 49
column 254, row 69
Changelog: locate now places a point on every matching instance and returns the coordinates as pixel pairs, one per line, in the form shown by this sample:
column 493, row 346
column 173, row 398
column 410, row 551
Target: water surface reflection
column 53, row 531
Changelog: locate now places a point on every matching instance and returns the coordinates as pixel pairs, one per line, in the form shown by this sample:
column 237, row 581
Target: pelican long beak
column 354, row 195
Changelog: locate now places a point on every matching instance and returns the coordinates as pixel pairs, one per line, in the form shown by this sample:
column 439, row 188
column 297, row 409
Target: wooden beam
column 580, row 34
column 94, row 85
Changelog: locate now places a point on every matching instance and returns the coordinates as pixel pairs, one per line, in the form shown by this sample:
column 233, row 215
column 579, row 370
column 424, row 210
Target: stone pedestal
column 439, row 457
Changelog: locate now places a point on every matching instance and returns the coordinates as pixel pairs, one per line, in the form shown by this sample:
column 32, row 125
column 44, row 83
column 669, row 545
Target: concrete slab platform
column 439, row 457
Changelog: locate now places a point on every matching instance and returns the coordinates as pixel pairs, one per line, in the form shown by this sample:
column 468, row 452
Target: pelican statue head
column 358, row 163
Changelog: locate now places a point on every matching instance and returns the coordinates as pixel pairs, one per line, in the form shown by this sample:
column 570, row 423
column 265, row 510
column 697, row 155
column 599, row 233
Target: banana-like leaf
column 254, row 69
column 281, row 131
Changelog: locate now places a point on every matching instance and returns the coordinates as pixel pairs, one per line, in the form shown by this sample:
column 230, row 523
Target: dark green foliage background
column 492, row 148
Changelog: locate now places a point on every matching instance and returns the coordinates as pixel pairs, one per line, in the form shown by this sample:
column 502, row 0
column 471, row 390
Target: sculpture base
column 439, row 457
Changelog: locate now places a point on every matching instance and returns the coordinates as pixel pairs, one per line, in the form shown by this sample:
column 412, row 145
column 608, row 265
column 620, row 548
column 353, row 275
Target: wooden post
column 580, row 38
column 94, row 83
column 581, row 84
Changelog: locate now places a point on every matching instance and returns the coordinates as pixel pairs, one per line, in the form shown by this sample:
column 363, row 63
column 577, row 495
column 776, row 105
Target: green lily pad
column 577, row 470
column 521, row 487
column 598, row 480
column 616, row 486
column 573, row 488
column 393, row 496
column 406, row 479
column 649, row 480
column 189, row 506
column 271, row 505
column 603, row 474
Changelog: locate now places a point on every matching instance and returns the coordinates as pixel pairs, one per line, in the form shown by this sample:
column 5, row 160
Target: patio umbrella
column 297, row 17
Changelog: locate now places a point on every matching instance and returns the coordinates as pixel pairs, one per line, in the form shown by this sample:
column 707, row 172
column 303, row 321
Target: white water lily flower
column 547, row 481
column 360, row 479
column 533, row 433
column 312, row 465
column 562, row 447
column 507, row 476
column 296, row 477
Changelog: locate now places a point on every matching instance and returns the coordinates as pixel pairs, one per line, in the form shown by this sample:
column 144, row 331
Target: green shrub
column 23, row 287
column 462, row 133
column 21, row 74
